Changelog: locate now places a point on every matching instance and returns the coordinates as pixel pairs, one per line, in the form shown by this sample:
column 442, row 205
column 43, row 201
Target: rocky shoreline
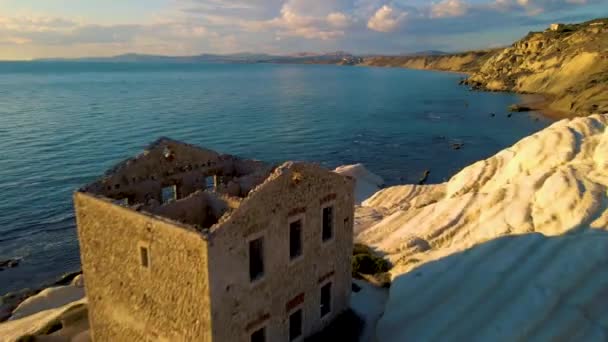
column 446, row 241
column 568, row 67
column 10, row 301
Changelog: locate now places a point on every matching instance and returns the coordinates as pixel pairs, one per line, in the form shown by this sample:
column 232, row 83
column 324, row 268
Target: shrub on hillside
column 366, row 262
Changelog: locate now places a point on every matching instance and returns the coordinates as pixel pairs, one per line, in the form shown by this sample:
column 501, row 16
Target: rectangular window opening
column 259, row 335
column 144, row 256
column 328, row 222
column 210, row 182
column 122, row 201
column 256, row 259
column 169, row 193
column 295, row 325
column 295, row 239
column 325, row 299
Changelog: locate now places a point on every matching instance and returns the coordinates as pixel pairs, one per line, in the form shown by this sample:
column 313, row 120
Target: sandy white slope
column 368, row 303
column 366, row 184
column 554, row 182
column 517, row 288
column 13, row 330
column 64, row 303
column 50, row 298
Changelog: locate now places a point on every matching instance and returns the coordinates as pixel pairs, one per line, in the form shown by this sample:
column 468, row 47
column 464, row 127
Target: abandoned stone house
column 184, row 244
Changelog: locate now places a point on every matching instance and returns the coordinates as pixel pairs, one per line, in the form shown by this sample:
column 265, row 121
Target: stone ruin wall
column 299, row 192
column 140, row 180
column 201, row 209
column 166, row 301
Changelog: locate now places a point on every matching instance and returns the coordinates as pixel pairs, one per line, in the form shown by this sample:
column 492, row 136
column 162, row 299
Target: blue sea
column 64, row 123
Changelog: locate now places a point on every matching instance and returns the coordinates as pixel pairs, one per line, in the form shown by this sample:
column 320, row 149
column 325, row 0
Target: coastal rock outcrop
column 461, row 62
column 9, row 263
column 60, row 311
column 569, row 65
column 515, row 242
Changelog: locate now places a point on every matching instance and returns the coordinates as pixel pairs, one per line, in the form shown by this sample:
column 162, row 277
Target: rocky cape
column 568, row 66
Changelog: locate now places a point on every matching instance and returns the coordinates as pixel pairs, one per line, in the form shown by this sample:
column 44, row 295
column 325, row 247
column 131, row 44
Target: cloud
column 386, row 19
column 338, row 19
column 35, row 23
column 291, row 23
column 448, row 8
column 197, row 26
column 535, row 7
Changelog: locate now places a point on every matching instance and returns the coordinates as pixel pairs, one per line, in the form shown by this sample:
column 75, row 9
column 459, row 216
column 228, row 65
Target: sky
column 31, row 29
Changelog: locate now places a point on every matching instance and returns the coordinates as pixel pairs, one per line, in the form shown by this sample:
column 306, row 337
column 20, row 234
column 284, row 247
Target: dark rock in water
column 492, row 114
column 457, row 145
column 519, row 108
column 9, row 263
column 509, row 115
column 424, row 178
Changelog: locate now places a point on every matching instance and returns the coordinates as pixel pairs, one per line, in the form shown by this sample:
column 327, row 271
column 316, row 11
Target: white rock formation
column 61, row 303
column 368, row 303
column 367, row 183
column 471, row 284
column 50, row 298
column 13, row 330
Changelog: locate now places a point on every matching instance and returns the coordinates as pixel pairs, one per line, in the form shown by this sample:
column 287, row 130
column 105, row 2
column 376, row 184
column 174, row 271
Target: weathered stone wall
column 168, row 301
column 167, row 163
column 142, row 178
column 201, row 209
column 240, row 307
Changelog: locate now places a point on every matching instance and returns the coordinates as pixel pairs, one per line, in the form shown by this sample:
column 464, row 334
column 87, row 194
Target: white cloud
column 338, row 19
column 386, row 19
column 450, row 8
column 195, row 26
column 292, row 24
column 534, row 7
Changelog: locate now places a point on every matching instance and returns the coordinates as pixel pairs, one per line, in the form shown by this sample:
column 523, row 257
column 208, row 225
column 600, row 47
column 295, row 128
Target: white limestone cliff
column 514, row 247
column 367, row 183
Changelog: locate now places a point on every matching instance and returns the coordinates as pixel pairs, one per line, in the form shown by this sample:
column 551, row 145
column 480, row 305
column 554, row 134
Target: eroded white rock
column 489, row 274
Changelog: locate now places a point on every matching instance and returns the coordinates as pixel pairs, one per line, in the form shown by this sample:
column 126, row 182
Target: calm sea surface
column 62, row 124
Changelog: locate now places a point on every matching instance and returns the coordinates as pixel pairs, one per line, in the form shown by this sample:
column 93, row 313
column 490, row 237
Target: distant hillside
column 568, row 64
column 339, row 57
column 203, row 58
column 428, row 53
column 463, row 62
column 304, row 57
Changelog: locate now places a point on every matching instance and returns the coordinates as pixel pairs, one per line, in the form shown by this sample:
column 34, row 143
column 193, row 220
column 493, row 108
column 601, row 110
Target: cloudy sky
column 76, row 28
